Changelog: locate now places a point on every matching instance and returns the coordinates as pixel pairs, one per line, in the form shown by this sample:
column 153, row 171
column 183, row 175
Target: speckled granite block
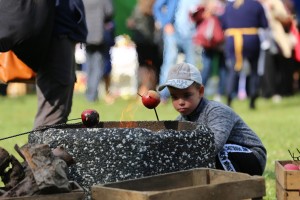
column 108, row 153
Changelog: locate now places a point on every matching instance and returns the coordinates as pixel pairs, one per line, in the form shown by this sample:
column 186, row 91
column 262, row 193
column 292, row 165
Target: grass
column 276, row 124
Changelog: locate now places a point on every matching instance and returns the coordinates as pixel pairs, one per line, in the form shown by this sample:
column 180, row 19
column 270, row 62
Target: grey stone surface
column 106, row 155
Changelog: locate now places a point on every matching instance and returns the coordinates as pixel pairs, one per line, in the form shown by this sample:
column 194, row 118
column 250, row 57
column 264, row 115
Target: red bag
column 296, row 34
column 209, row 33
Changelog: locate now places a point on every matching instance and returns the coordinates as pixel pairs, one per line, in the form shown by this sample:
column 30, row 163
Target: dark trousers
column 242, row 162
column 3, row 88
column 253, row 86
column 55, row 83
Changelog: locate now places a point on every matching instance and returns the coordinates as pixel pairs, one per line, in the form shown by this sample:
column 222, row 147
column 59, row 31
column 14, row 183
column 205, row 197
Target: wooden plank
column 289, row 180
column 226, row 191
column 282, row 194
column 105, row 193
column 65, row 196
column 219, row 176
column 76, row 194
column 235, row 186
column 201, row 176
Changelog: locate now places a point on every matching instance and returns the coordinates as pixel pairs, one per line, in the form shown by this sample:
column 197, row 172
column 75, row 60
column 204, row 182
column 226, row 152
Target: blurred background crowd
column 245, row 49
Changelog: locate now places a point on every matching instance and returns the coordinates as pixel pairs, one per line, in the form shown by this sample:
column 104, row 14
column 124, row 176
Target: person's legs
column 3, row 88
column 238, row 159
column 232, row 81
column 254, row 83
column 242, row 86
column 55, row 83
column 95, row 67
column 222, row 74
column 207, row 66
column 169, row 59
column 188, row 48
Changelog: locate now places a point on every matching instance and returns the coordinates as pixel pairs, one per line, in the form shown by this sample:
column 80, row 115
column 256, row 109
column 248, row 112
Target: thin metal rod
column 73, row 119
column 156, row 114
column 38, row 129
column 5, row 138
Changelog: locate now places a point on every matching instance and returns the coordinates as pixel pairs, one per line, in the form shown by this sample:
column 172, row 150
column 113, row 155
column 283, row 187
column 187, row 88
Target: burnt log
column 14, row 175
column 49, row 171
column 26, row 187
column 4, row 160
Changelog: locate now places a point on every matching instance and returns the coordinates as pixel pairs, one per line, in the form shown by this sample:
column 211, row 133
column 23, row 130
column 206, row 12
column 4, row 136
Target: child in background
column 238, row 148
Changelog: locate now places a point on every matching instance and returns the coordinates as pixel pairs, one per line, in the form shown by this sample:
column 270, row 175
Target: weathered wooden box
column 77, row 193
column 287, row 182
column 194, row 184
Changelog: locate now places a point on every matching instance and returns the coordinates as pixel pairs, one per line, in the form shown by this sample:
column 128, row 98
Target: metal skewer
column 154, row 109
column 38, row 129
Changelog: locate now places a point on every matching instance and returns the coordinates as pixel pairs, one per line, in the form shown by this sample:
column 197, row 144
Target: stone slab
column 117, row 151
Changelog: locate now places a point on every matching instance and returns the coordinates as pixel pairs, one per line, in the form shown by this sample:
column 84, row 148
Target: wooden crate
column 282, row 194
column 287, row 182
column 195, row 184
column 77, row 193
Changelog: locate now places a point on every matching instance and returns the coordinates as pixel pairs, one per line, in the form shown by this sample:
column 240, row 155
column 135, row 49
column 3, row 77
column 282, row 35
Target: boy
column 238, row 148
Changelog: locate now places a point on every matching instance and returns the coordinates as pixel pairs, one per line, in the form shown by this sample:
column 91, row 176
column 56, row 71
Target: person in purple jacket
column 241, row 22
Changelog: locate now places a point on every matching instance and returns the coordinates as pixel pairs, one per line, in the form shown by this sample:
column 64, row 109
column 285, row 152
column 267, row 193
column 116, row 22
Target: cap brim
column 176, row 83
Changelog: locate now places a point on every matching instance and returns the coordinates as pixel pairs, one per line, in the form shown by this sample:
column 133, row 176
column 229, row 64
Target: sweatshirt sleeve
column 164, row 11
column 221, row 121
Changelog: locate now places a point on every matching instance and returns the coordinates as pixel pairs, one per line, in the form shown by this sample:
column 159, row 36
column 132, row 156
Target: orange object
column 12, row 69
column 237, row 34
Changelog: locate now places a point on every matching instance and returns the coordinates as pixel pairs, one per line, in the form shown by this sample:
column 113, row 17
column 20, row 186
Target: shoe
column 229, row 100
column 252, row 103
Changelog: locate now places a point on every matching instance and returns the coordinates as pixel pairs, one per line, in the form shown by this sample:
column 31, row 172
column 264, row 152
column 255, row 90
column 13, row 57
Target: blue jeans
column 95, row 70
column 253, row 82
column 173, row 44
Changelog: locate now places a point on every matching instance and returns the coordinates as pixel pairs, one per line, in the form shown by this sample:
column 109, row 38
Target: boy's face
column 186, row 100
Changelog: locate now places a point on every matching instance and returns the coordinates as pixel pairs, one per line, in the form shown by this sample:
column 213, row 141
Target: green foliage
column 276, row 124
column 123, row 10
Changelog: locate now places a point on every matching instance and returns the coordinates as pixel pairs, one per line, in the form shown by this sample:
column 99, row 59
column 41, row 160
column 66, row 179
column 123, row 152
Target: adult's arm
column 164, row 11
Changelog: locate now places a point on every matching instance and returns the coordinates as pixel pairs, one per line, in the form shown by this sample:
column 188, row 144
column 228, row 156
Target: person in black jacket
column 56, row 78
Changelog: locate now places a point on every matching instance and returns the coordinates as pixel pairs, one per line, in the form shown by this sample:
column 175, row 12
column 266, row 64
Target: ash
column 105, row 155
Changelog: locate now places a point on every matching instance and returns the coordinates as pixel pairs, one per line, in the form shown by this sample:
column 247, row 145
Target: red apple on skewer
column 90, row 117
column 151, row 99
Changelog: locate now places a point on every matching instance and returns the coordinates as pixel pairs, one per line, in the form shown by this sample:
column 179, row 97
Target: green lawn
column 278, row 125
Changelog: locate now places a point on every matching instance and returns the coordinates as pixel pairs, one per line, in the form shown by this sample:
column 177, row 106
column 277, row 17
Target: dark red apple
column 151, row 99
column 90, row 117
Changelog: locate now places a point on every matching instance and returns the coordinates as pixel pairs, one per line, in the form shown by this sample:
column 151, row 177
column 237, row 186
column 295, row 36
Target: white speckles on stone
column 105, row 155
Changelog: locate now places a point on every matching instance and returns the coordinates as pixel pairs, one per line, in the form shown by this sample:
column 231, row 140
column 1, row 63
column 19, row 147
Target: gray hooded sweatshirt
column 228, row 128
